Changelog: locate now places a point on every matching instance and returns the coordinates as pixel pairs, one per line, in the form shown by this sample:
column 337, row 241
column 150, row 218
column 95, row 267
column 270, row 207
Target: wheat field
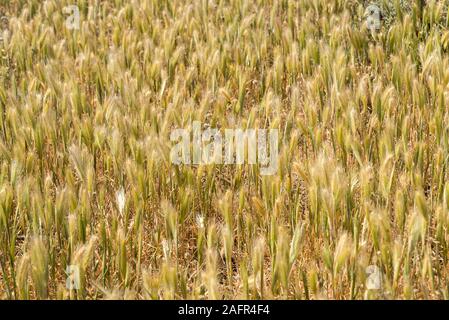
column 86, row 180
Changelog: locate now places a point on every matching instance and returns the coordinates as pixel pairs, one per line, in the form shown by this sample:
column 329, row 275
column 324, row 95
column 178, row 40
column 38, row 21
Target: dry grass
column 86, row 117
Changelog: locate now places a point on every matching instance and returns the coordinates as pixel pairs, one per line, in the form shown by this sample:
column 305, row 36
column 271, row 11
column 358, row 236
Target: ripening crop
column 357, row 209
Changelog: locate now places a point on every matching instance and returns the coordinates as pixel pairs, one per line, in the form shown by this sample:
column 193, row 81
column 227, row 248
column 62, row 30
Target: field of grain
column 357, row 209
